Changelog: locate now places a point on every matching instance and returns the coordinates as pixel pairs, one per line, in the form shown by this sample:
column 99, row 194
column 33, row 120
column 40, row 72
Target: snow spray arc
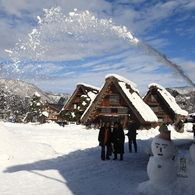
column 56, row 27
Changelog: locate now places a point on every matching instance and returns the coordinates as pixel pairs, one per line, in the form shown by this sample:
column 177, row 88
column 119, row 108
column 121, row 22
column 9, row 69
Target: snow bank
column 13, row 147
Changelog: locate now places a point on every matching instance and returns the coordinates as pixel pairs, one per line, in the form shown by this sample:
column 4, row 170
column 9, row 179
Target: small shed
column 118, row 101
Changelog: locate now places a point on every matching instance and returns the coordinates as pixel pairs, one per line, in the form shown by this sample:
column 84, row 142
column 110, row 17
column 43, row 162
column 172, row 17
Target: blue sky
column 41, row 42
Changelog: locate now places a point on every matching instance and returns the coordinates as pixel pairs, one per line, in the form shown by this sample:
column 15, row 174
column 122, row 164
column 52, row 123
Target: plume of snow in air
column 59, row 29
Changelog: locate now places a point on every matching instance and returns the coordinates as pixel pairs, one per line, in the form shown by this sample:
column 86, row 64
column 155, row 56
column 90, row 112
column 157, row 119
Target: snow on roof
column 169, row 99
column 192, row 114
column 144, row 110
column 92, row 95
column 45, row 113
column 120, row 78
column 181, row 112
column 96, row 88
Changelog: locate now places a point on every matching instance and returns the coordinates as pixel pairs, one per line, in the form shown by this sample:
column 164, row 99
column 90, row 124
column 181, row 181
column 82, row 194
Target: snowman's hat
column 165, row 134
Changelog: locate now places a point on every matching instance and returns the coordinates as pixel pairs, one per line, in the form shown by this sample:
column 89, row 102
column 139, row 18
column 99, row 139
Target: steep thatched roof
column 167, row 97
column 130, row 94
column 83, row 89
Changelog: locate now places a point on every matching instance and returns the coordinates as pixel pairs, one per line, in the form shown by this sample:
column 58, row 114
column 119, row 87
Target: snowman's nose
column 160, row 149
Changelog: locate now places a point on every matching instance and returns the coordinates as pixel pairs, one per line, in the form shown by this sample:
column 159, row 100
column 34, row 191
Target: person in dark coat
column 104, row 139
column 132, row 133
column 118, row 138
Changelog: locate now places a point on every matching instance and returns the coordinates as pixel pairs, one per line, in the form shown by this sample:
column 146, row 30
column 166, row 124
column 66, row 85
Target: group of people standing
column 113, row 140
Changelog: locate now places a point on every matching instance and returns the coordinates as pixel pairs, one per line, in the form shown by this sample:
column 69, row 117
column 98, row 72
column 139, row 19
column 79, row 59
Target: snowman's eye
column 165, row 145
column 157, row 145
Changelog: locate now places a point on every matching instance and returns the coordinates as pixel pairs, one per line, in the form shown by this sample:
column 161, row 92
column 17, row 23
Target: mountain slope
column 185, row 97
column 24, row 89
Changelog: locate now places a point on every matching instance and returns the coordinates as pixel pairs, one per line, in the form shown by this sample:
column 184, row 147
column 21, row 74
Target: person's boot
column 121, row 157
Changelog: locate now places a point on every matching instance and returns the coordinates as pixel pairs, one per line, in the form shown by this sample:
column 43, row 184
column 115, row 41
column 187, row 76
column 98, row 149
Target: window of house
column 160, row 119
column 154, row 98
column 106, row 110
column 75, row 106
column 154, row 108
column 122, row 110
column 114, row 99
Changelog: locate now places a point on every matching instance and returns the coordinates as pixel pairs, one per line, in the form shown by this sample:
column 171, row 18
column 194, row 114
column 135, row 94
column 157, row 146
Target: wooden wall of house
column 123, row 119
column 75, row 99
column 52, row 113
column 113, row 91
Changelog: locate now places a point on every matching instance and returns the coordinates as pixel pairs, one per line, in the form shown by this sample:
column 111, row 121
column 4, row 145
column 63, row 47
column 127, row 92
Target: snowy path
column 70, row 163
column 82, row 172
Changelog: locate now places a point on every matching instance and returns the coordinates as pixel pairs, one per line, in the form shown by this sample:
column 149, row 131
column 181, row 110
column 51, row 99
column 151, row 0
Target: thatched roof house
column 78, row 102
column 164, row 105
column 118, row 100
column 52, row 110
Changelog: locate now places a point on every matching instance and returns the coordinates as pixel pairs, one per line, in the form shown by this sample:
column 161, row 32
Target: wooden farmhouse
column 164, row 105
column 52, row 110
column 118, row 101
column 78, row 102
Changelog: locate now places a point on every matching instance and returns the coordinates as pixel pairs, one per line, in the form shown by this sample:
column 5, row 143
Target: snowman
column 161, row 167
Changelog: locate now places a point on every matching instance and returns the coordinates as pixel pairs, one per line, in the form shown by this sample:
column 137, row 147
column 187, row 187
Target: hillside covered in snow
column 24, row 89
column 185, row 97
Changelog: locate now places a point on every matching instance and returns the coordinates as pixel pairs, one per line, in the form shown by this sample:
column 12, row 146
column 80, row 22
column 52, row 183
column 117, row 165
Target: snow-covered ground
column 52, row 160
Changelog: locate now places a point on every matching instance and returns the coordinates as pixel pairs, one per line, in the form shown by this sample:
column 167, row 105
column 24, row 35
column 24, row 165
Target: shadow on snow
column 85, row 173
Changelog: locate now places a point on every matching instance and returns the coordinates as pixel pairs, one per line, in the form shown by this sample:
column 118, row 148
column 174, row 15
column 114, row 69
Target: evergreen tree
column 35, row 107
column 2, row 100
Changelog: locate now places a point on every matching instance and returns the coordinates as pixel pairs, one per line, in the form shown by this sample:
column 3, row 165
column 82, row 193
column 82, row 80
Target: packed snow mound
column 13, row 147
column 147, row 134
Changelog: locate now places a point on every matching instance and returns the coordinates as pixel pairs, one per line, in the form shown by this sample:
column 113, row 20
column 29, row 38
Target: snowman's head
column 162, row 148
column 192, row 152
